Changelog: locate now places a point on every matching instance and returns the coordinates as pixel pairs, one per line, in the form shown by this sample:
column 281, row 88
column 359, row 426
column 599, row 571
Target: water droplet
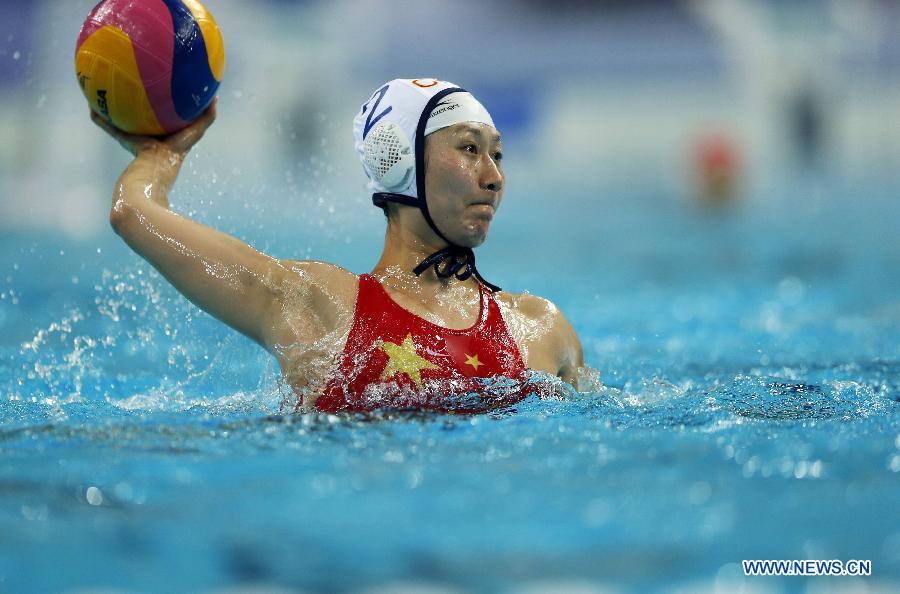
column 94, row 496
column 17, row 55
column 894, row 463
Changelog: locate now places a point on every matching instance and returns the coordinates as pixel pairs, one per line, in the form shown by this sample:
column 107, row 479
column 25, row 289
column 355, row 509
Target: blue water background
column 751, row 368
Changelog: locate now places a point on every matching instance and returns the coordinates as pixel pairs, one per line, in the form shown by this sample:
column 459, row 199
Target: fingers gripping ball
column 149, row 66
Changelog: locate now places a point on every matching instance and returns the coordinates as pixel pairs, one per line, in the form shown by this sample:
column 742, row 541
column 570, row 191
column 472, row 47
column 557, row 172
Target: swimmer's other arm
column 217, row 272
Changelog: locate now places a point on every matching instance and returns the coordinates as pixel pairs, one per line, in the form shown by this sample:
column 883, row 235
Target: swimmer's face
column 464, row 180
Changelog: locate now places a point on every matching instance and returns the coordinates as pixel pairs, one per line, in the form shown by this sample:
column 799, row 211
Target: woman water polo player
column 423, row 329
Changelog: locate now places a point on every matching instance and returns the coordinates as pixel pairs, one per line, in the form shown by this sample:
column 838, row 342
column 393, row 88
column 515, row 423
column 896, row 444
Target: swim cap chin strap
column 453, row 260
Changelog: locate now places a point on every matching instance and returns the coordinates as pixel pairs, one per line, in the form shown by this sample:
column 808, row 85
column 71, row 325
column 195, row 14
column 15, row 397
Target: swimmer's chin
column 474, row 234
column 473, row 237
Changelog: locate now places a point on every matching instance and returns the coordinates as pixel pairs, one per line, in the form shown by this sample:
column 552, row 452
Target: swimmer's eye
column 472, row 148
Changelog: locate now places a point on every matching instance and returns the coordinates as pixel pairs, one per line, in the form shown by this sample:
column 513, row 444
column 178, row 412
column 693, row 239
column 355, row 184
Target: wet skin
column 301, row 311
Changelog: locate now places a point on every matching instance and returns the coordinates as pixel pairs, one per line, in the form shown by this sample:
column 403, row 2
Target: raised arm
column 219, row 273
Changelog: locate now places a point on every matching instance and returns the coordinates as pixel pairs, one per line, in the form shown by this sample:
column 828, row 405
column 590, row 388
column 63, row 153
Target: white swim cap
column 389, row 134
column 391, row 126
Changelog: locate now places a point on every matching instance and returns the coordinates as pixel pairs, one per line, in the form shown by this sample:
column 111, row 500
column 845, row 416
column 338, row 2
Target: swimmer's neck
column 403, row 251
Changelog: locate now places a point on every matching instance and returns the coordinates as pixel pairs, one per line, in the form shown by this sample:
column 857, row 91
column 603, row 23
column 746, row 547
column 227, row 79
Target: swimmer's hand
column 177, row 144
column 157, row 159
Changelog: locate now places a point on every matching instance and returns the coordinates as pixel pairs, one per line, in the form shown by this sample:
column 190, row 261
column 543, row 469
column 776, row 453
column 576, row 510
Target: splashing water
column 755, row 417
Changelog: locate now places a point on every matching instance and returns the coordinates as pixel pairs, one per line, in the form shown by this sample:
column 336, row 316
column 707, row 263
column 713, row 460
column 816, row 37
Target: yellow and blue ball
column 149, row 66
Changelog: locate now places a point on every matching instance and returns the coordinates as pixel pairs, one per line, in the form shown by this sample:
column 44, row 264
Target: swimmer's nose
column 491, row 177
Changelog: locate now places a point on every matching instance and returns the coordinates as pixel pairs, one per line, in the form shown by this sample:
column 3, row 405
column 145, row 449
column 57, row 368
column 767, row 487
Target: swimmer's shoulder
column 533, row 312
column 338, row 285
column 528, row 305
column 313, row 299
column 320, row 270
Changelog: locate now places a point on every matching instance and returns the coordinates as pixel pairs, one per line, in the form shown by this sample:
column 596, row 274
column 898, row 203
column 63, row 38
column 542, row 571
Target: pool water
column 746, row 408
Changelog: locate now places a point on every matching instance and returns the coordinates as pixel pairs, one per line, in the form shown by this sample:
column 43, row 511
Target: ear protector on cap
column 389, row 157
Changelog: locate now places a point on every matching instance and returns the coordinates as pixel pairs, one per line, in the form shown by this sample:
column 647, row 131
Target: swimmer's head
column 390, row 129
column 464, row 182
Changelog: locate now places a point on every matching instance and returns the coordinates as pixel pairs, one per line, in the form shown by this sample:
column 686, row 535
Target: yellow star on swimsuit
column 403, row 358
column 473, row 361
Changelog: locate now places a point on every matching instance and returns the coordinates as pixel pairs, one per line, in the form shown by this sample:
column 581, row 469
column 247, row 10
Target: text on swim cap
column 443, row 109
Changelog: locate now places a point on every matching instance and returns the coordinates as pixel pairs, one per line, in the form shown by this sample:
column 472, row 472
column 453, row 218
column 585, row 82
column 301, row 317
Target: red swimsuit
column 395, row 359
